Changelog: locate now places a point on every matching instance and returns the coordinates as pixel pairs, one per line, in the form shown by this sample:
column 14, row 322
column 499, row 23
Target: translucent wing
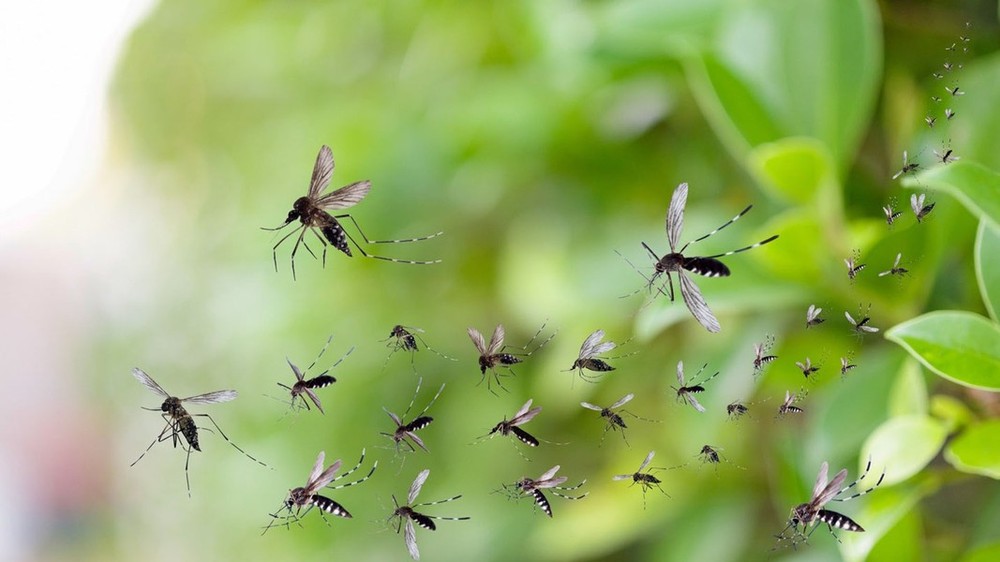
column 549, row 473
column 590, row 406
column 322, row 172
column 298, row 373
column 645, row 463
column 849, row 318
column 680, row 373
column 696, row 304
column 347, row 196
column 148, row 382
column 675, row 215
column 820, row 480
column 587, row 350
column 621, row 401
column 694, row 402
column 317, row 469
column 916, row 203
column 315, row 400
column 622, row 477
column 418, row 483
column 496, row 341
column 477, row 340
column 325, row 477
column 524, row 409
column 831, row 489
column 212, row 397
column 603, row 348
column 410, row 536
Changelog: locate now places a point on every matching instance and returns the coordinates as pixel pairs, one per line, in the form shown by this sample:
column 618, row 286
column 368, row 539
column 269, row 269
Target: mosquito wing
column 148, row 382
column 524, row 409
column 410, row 537
column 212, row 397
column 621, row 401
column 831, row 489
column 621, row 477
column 317, row 469
column 694, row 402
column 820, row 480
column 496, row 340
column 696, row 303
column 850, row 318
column 588, row 349
column 298, row 373
column 418, row 483
column 590, row 406
column 477, row 340
column 675, row 215
column 347, row 196
column 324, row 478
column 645, row 463
column 916, row 203
column 322, row 172
column 523, row 418
column 315, row 400
column 548, row 474
column 680, row 373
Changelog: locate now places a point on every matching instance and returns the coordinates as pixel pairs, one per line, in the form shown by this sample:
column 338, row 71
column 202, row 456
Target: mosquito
column 492, row 355
column 533, row 487
column 588, row 359
column 307, row 386
column 896, row 269
column 861, row 326
column 809, row 514
column 676, row 262
column 523, row 416
column 951, row 48
column 948, row 66
column 891, row 214
column 948, row 113
column 760, row 352
column 645, row 480
column 807, row 367
column 180, row 424
column 908, row 166
column 615, row 422
column 845, row 366
column 936, row 99
column 307, row 496
column 954, row 90
column 937, row 76
column 946, row 155
column 405, row 338
column 405, row 432
column 919, row 209
column 312, row 211
column 788, row 407
column 688, row 392
column 812, row 316
column 410, row 515
column 710, row 455
column 930, row 121
column 853, row 267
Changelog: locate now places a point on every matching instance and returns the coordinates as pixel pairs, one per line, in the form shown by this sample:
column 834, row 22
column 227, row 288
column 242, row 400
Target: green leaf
column 986, row 553
column 793, row 168
column 960, row 346
column 988, row 267
column 974, row 185
column 977, row 450
column 882, row 512
column 909, row 392
column 903, row 446
column 951, row 411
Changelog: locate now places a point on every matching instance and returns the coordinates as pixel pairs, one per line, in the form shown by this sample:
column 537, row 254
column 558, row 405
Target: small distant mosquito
column 891, row 214
column 808, row 514
column 688, row 392
column 307, row 386
column 709, row 454
column 677, row 262
column 919, row 209
column 936, row 99
column 861, row 325
column 307, row 496
column 408, row 513
column 523, row 416
column 737, row 409
column 645, row 480
column 807, row 368
column 948, row 113
column 311, row 210
column 615, row 422
column 533, row 487
column 954, row 90
column 951, row 48
column 853, row 267
column 588, row 360
column 405, row 338
column 908, row 166
column 946, row 155
column 930, row 121
column 405, row 432
column 948, row 66
column 812, row 316
column 491, row 356
column 760, row 353
column 180, row 424
column 937, row 75
column 895, row 269
column 845, row 366
column 788, row 407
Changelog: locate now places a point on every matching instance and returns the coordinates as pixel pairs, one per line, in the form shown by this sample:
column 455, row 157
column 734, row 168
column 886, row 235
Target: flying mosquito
column 677, row 262
column 954, row 91
column 588, row 360
column 533, row 487
column 688, row 392
column 710, row 455
column 809, row 514
column 788, row 407
column 936, row 99
column 919, row 209
column 812, row 316
column 410, row 515
column 615, row 422
column 908, row 166
column 307, row 386
column 523, row 416
column 405, row 338
column 946, row 155
column 491, row 356
column 853, row 267
column 895, row 269
column 312, row 211
column 307, row 496
column 760, row 352
column 948, row 66
column 861, row 326
column 951, row 48
column 937, row 76
column 645, row 480
column 845, row 366
column 930, row 121
column 180, row 426
column 948, row 113
column 807, row 368
column 405, row 432
column 891, row 214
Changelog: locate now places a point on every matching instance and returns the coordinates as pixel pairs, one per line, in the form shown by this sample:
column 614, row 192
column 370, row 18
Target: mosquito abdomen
column 709, row 267
column 423, row 520
column 320, row 381
column 189, row 430
column 596, row 365
column 330, row 506
column 419, row 423
column 834, row 519
column 508, row 359
column 334, row 233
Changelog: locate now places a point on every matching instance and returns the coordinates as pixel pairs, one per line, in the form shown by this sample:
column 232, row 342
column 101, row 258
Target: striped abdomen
column 593, row 365
column 709, row 267
column 836, row 520
column 419, row 423
column 541, row 501
column 330, row 506
column 320, row 381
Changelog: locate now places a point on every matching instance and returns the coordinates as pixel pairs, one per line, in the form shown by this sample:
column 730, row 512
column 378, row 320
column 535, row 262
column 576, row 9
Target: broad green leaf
column 976, row 138
column 977, row 450
column 986, row 553
column 988, row 266
column 659, row 26
column 885, row 508
column 793, row 168
column 903, row 446
column 960, row 346
column 974, row 185
column 951, row 411
column 909, row 392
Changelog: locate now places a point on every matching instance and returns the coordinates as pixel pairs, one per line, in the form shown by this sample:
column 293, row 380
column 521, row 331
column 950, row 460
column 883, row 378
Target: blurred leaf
column 960, row 346
column 950, row 410
column 794, row 168
column 986, row 553
column 974, row 185
column 976, row 137
column 988, row 266
column 882, row 512
column 902, row 542
column 977, row 450
column 903, row 446
column 798, row 255
column 661, row 26
column 909, row 393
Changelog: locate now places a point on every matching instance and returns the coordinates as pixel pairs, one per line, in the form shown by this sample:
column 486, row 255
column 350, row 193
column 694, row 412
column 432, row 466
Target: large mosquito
column 812, row 316
column 615, row 422
column 180, row 424
column 312, row 211
column 307, row 386
column 405, row 432
column 919, row 209
column 907, row 166
column 508, row 427
column 807, row 515
column 588, row 359
column 896, row 269
column 687, row 392
column 405, row 338
column 761, row 353
column 677, row 262
column 408, row 513
column 645, row 480
column 861, row 325
column 492, row 356
column 533, row 487
column 307, row 496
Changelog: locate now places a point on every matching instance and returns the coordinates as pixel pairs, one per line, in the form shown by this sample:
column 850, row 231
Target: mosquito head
column 300, row 209
column 485, row 363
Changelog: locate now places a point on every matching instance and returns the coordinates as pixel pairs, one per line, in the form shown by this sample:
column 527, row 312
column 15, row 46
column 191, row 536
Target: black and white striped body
column 541, row 501
column 507, row 428
column 404, row 339
column 592, row 364
column 838, row 521
column 329, row 506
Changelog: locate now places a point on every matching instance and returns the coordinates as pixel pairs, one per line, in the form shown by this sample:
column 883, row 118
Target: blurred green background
column 541, row 137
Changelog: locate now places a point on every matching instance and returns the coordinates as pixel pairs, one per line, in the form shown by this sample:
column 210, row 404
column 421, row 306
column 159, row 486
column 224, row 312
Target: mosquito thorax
column 669, row 262
column 172, row 406
column 485, row 363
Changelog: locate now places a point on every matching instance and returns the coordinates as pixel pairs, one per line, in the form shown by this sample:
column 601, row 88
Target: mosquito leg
column 159, row 438
column 384, row 258
column 295, row 249
column 187, row 475
column 369, row 241
column 227, row 439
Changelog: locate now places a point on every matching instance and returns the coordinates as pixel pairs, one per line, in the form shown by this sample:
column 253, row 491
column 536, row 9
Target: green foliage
column 960, row 346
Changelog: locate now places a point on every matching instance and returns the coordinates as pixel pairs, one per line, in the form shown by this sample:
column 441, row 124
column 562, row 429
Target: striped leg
column 729, row 222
